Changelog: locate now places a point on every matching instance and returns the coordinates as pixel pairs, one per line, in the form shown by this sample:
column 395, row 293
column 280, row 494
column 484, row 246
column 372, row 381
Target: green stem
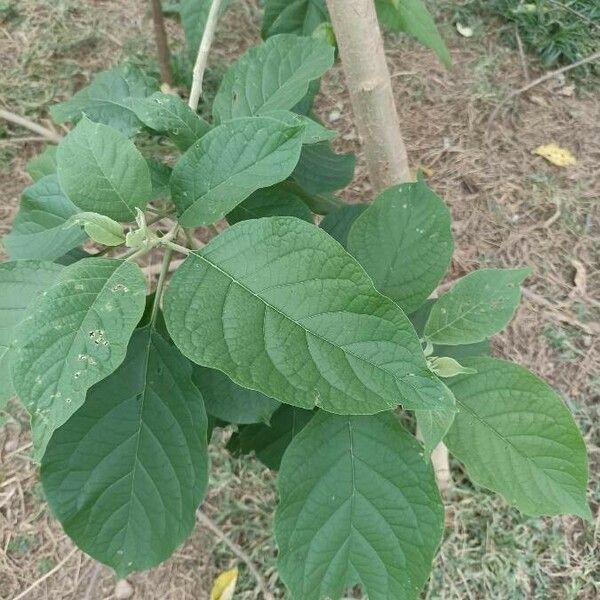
column 164, row 269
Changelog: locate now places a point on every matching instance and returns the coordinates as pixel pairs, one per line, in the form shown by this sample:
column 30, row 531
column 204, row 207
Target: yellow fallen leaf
column 558, row 156
column 224, row 585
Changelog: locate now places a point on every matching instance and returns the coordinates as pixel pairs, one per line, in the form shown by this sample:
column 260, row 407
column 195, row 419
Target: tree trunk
column 162, row 44
column 368, row 78
column 363, row 58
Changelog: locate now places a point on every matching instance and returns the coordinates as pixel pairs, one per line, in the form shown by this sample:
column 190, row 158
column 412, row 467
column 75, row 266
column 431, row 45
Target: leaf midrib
column 308, row 331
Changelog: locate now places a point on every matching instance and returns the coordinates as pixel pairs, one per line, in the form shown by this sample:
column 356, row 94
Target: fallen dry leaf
column 464, row 30
column 224, row 585
column 556, row 155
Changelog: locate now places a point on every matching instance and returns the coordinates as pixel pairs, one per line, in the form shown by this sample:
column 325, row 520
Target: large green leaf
column 404, row 242
column 273, row 76
column 39, row 230
column 270, row 202
column 322, row 170
column 231, row 162
column 229, row 402
column 20, row 283
column 313, row 132
column 269, row 441
column 106, row 99
column 76, row 333
column 516, row 436
column 102, row 171
column 169, row 114
column 193, row 14
column 412, row 17
column 280, row 307
column 338, row 222
column 43, row 164
column 128, row 470
column 478, row 306
column 301, row 17
column 359, row 505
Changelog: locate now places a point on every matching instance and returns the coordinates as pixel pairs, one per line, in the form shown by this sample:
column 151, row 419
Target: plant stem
column 162, row 44
column 162, row 277
column 368, row 78
column 50, row 135
column 202, row 57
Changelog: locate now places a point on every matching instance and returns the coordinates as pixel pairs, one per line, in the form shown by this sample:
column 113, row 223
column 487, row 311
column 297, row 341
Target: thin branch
column 48, row 134
column 539, row 80
column 216, row 530
column 202, row 58
column 162, row 44
column 575, row 12
column 37, row 582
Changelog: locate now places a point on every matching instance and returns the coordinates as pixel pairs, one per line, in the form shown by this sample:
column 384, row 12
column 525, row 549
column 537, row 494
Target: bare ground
column 510, row 208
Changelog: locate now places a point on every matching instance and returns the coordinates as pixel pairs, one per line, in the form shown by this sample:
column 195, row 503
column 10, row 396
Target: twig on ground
column 93, row 578
column 216, row 530
column 162, row 44
column 203, row 50
column 522, row 56
column 537, row 81
column 48, row 134
column 43, row 578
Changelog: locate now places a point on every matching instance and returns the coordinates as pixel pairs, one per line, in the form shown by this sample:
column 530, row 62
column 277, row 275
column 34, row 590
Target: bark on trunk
column 363, row 59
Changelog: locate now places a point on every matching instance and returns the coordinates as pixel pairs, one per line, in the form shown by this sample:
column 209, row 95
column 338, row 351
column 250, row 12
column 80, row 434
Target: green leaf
column 478, row 306
column 75, row 334
column 419, row 319
column 412, row 17
column 359, row 505
column 160, row 177
column 516, row 437
column 102, row 171
column 128, row 470
column 38, row 230
column 270, row 202
column 338, row 222
column 20, row 282
column 43, row 164
column 169, row 114
column 293, row 16
column 273, row 76
column 434, row 425
column 229, row 163
column 404, row 242
column 444, row 366
column 280, row 307
column 101, row 229
column 322, row 170
column 269, row 441
column 193, row 14
column 107, row 99
column 229, row 402
column 313, row 132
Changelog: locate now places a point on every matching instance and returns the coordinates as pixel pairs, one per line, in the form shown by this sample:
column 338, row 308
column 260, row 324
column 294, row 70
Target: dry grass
column 510, row 208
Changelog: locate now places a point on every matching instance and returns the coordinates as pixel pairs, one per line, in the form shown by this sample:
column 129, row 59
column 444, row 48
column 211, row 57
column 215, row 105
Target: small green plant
column 558, row 32
column 314, row 340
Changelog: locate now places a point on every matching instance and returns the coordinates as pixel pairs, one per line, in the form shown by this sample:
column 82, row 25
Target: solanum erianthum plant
column 315, row 341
